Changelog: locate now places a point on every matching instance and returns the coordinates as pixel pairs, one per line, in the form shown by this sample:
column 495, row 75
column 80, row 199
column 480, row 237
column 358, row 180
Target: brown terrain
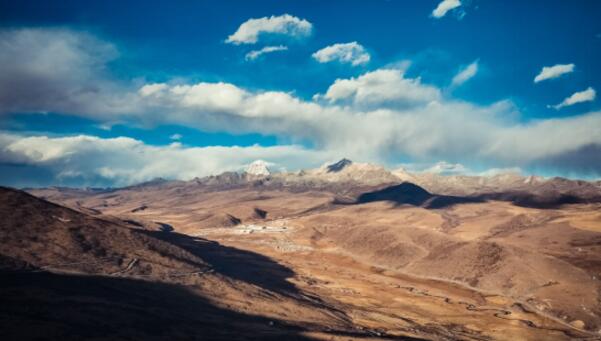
column 343, row 252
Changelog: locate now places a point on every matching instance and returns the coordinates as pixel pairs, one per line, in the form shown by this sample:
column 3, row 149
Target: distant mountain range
column 349, row 179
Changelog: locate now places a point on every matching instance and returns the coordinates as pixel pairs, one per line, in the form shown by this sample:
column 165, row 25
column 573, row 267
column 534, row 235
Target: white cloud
column 123, row 161
column 352, row 53
column 550, row 72
column 465, row 74
column 446, row 168
column 251, row 30
column 500, row 171
column 208, row 96
column 385, row 114
column 176, row 137
column 445, row 6
column 587, row 95
column 375, row 117
column 151, row 89
column 252, row 55
column 381, row 87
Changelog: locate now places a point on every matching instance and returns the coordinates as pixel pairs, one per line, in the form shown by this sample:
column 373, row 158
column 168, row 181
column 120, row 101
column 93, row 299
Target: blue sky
column 73, row 74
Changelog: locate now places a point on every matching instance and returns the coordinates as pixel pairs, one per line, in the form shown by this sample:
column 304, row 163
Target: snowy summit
column 259, row 168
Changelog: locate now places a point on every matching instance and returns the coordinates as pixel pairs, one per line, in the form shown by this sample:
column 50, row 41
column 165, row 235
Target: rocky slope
column 49, row 236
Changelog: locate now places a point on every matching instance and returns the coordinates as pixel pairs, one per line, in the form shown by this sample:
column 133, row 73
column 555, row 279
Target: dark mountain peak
column 408, row 193
column 338, row 166
column 404, row 193
column 151, row 183
column 225, row 178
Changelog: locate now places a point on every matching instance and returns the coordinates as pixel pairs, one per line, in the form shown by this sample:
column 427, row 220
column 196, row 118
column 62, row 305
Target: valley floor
column 298, row 264
column 392, row 303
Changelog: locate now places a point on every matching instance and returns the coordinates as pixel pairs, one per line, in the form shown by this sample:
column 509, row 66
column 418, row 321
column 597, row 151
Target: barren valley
column 321, row 254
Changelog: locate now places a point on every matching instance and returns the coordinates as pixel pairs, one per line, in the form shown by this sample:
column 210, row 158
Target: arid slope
column 497, row 261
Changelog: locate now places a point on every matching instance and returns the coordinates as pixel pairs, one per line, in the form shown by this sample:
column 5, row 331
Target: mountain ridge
column 348, row 178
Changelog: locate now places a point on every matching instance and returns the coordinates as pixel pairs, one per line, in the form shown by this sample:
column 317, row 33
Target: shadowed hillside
column 45, row 306
column 66, row 275
column 410, row 194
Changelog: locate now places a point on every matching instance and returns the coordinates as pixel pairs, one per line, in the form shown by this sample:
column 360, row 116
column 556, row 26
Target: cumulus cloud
column 587, row 95
column 444, row 7
column 254, row 54
column 208, row 96
column 555, row 71
column 352, row 53
column 465, row 74
column 381, row 87
column 251, row 30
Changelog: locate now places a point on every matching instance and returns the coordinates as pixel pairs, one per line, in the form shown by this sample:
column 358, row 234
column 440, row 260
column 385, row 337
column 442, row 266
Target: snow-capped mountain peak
column 259, row 168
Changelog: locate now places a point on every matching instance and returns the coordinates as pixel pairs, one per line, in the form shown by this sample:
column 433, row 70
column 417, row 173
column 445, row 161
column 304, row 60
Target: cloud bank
column 57, row 70
column 124, row 161
column 379, row 116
